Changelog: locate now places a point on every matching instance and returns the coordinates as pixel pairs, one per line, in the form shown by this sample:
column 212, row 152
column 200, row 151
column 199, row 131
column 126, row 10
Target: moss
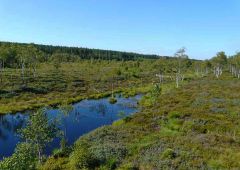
column 73, row 82
column 186, row 128
column 165, row 131
column 168, row 154
column 55, row 164
column 215, row 164
column 81, row 157
column 173, row 115
column 118, row 122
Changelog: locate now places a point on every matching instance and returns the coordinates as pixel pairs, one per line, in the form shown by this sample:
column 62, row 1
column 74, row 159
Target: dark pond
column 85, row 116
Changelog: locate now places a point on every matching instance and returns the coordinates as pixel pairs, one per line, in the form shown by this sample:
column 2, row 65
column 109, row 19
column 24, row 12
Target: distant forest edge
column 12, row 53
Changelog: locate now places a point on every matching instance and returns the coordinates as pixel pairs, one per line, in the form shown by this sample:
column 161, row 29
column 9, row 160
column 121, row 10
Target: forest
column 187, row 117
column 11, row 54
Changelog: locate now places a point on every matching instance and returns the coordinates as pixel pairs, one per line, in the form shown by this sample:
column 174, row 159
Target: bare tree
column 220, row 60
column 1, row 71
column 180, row 54
column 217, row 71
column 161, row 77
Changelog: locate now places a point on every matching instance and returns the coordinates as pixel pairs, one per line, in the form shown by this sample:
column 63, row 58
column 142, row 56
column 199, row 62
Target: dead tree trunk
column 160, row 76
column 23, row 73
column 1, row 71
column 177, row 80
column 217, row 71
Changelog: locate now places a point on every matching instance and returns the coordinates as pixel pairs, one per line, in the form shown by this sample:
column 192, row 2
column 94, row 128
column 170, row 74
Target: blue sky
column 204, row 27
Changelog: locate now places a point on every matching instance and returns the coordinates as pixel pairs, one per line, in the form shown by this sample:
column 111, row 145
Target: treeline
column 234, row 65
column 15, row 54
column 219, row 63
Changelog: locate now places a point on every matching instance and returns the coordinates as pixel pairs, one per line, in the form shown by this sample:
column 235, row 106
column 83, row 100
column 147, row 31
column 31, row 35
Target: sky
column 160, row 27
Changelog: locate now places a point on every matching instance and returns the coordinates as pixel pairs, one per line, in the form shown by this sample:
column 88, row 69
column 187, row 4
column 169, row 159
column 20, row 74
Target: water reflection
column 100, row 108
column 81, row 118
column 9, row 124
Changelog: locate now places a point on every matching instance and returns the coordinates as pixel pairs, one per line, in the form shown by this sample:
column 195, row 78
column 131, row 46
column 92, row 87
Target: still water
column 84, row 117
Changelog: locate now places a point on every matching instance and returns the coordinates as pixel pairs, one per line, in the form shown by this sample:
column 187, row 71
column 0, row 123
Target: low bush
column 81, row 157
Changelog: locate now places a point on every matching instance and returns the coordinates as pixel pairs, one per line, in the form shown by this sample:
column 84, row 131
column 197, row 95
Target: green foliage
column 24, row 157
column 118, row 122
column 151, row 98
column 63, row 151
column 63, row 143
column 11, row 51
column 98, row 148
column 81, row 157
column 111, row 164
column 184, row 133
column 174, row 115
column 215, row 164
column 112, row 100
column 43, row 85
column 168, row 154
column 156, row 91
column 221, row 58
column 59, row 163
column 109, row 151
column 39, row 131
column 183, row 128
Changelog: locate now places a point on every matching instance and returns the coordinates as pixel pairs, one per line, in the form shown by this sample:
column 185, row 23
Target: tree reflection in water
column 100, row 108
column 10, row 124
column 77, row 120
column 77, row 113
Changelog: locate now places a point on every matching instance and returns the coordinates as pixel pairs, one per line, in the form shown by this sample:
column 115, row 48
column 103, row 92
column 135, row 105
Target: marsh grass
column 185, row 133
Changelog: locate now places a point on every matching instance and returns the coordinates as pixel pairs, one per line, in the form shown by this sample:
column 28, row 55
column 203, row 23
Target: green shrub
column 109, row 151
column 168, row 154
column 23, row 158
column 111, row 164
column 174, row 115
column 112, row 100
column 62, row 152
column 215, row 164
column 55, row 164
column 81, row 157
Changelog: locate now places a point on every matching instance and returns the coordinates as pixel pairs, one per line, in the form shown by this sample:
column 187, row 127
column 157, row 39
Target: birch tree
column 234, row 65
column 4, row 53
column 180, row 55
column 39, row 131
column 219, row 61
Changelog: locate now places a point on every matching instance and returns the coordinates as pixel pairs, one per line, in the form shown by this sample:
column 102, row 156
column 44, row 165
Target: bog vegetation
column 32, row 76
column 189, row 116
